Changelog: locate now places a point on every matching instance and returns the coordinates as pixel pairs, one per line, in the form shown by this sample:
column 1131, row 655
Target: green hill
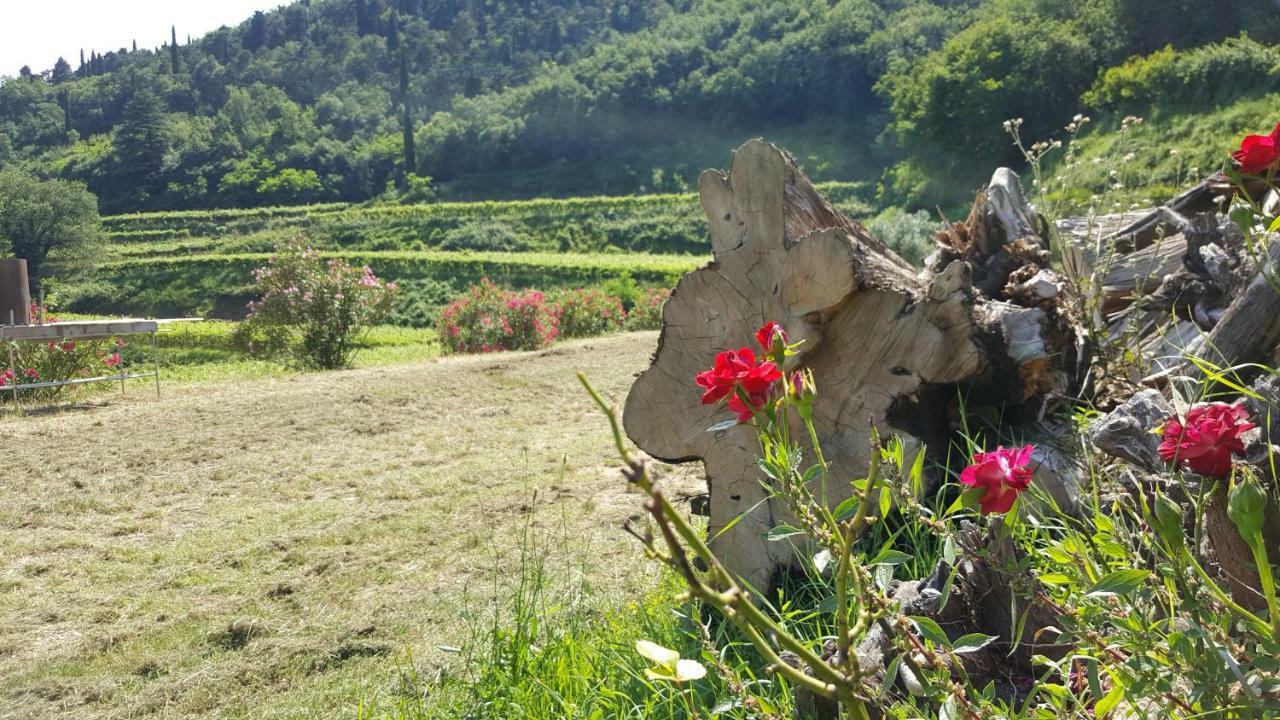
column 335, row 100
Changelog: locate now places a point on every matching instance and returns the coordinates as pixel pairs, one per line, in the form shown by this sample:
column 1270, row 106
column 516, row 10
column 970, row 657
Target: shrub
column 35, row 362
column 489, row 319
column 646, row 314
column 908, row 234
column 312, row 309
column 588, row 312
column 490, row 235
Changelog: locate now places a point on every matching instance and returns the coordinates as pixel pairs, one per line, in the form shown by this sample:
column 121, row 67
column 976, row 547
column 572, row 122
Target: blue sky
column 36, row 33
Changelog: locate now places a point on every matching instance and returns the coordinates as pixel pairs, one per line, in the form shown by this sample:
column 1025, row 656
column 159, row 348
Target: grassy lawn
column 285, row 546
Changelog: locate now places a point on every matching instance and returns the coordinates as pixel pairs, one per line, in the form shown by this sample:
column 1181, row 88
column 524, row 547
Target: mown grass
column 283, row 547
column 193, row 351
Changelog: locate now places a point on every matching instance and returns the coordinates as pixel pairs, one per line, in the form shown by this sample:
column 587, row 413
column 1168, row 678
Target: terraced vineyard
column 199, row 262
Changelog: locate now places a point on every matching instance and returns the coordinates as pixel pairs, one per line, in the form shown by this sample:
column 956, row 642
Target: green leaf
column 886, row 501
column 969, row 498
column 891, row 674
column 846, row 509
column 929, row 628
column 1120, row 582
column 782, row 532
column 972, row 642
column 889, row 556
column 811, row 474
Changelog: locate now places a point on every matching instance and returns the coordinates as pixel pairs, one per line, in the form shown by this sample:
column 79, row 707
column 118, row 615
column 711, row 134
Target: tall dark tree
column 257, row 35
column 135, row 45
column 61, row 71
column 140, row 141
column 81, row 68
column 410, row 159
column 364, row 21
column 173, row 49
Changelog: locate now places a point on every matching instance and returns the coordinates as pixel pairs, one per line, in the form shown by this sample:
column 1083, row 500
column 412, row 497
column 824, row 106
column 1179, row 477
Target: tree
column 61, row 71
column 140, row 138
column 257, row 35
column 173, row 49
column 50, row 223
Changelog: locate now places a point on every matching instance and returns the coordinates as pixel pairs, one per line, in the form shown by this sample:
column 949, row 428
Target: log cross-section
column 875, row 333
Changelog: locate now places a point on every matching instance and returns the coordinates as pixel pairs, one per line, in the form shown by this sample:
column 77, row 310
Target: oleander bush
column 489, row 319
column 588, row 312
column 30, row 362
column 312, row 309
column 646, row 312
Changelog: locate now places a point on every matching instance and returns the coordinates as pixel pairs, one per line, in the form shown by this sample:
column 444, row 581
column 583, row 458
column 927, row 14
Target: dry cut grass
column 276, row 547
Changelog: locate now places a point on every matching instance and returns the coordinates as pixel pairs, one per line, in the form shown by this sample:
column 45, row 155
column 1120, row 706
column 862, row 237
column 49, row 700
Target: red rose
column 1258, row 153
column 734, row 369
column 1207, row 439
column 747, row 410
column 1004, row 474
column 770, row 333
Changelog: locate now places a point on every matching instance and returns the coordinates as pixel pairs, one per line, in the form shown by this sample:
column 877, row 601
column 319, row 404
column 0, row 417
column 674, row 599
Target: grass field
column 289, row 547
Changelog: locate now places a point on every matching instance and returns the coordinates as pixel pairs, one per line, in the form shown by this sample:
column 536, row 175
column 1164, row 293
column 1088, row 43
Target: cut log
column 883, row 342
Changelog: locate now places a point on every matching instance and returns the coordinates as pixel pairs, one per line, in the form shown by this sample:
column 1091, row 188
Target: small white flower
column 1129, row 157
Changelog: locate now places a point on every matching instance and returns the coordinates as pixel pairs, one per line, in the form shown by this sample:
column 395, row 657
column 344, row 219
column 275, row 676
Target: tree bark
column 885, row 344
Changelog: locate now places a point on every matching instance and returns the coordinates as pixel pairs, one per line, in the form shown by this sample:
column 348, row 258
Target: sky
column 36, row 33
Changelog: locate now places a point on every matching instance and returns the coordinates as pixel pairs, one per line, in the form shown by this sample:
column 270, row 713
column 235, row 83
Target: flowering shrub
column 489, row 319
column 56, row 361
column 588, row 312
column 646, row 313
column 310, row 309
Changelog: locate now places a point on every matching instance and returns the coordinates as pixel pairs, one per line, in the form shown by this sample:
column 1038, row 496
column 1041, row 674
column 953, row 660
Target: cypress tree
column 410, row 160
column 173, row 49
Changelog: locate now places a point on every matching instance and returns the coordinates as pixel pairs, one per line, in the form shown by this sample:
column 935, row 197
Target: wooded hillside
column 331, row 100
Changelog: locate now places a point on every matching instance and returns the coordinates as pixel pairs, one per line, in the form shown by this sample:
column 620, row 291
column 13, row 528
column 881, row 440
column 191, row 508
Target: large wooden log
column 883, row 341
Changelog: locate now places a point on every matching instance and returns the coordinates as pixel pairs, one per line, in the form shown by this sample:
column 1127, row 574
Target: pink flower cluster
column 489, row 319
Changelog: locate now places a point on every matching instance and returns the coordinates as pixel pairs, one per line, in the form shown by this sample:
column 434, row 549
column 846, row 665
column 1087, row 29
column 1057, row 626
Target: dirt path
column 274, row 548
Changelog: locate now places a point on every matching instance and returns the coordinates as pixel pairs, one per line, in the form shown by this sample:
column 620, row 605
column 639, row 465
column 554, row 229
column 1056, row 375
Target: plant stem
column 1222, row 595
column 1258, row 546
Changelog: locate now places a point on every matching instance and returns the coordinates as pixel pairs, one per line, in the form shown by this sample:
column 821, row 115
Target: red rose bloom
column 1207, row 439
column 734, row 369
column 769, row 333
column 1258, row 153
column 1004, row 474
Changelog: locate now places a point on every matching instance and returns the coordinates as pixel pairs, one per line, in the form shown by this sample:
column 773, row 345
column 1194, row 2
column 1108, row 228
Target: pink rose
column 1207, row 439
column 1003, row 473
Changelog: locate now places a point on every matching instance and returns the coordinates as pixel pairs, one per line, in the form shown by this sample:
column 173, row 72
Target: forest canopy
column 349, row 99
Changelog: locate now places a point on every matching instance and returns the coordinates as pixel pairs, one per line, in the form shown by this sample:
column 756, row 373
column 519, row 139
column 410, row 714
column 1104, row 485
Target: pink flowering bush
column 646, row 313
column 311, row 309
column 56, row 361
column 588, row 312
column 490, row 319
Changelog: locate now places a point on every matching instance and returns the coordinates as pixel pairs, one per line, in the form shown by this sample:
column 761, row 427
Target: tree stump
column 885, row 342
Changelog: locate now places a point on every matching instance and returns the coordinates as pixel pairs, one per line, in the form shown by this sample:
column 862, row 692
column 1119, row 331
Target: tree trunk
column 886, row 343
